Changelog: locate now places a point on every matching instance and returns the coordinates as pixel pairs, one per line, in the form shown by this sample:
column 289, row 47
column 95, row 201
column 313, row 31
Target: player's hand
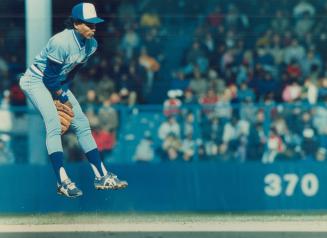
column 62, row 97
column 69, row 104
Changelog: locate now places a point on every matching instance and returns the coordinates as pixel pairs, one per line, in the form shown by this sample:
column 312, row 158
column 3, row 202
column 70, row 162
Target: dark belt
column 32, row 68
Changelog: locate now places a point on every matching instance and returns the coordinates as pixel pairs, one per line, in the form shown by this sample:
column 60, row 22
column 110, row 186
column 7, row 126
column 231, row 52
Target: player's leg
column 81, row 126
column 41, row 98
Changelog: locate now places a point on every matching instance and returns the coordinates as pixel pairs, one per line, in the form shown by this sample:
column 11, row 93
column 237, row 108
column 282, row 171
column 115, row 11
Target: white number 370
column 276, row 185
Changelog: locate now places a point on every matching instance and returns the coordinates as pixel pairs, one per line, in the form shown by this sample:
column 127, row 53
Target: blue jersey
column 63, row 53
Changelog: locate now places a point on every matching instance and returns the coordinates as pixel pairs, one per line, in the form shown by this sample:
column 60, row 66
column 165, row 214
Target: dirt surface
column 163, row 226
column 167, row 235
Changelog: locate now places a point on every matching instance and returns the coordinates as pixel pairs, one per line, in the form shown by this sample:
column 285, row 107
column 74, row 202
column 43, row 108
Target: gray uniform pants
column 41, row 98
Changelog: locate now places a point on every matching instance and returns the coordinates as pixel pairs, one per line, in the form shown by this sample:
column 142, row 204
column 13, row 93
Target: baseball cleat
column 109, row 181
column 69, row 189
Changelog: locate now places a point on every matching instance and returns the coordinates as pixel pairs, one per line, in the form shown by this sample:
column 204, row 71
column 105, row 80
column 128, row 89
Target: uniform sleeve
column 56, row 56
column 57, row 50
column 51, row 73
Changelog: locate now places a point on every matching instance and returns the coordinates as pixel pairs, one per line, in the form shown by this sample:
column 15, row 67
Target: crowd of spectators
column 259, row 74
column 255, row 71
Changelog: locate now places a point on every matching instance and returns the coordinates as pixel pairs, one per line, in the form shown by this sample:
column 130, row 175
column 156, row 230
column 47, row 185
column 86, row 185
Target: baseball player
column 46, row 84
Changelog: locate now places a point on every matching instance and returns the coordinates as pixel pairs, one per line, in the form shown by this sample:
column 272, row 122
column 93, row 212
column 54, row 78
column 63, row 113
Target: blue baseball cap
column 85, row 12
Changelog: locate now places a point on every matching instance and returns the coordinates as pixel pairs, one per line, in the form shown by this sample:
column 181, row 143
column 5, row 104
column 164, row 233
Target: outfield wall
column 197, row 186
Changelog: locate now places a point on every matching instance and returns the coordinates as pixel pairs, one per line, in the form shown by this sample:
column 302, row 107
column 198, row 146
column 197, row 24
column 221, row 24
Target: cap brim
column 94, row 20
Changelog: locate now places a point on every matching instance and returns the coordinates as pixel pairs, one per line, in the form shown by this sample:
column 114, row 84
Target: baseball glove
column 65, row 114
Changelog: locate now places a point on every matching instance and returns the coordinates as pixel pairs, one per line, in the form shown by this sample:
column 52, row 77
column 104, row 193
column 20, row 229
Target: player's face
column 86, row 29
